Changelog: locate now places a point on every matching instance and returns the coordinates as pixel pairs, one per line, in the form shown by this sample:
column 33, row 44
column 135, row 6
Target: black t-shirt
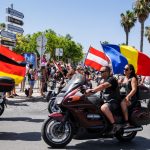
column 111, row 92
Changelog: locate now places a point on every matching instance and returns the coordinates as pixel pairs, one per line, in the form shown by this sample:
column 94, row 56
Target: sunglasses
column 126, row 69
column 102, row 71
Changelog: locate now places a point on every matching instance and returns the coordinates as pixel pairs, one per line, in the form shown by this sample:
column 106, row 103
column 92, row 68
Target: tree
column 2, row 26
column 71, row 49
column 147, row 33
column 127, row 22
column 142, row 9
column 105, row 42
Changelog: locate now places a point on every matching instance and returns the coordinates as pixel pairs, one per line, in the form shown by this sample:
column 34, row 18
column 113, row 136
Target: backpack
column 27, row 92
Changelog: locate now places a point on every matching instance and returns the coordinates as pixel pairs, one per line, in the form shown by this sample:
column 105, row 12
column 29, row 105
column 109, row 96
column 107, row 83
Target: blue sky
column 87, row 21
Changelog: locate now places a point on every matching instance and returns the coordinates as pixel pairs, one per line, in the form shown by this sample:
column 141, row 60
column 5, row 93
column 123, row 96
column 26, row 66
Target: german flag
column 12, row 65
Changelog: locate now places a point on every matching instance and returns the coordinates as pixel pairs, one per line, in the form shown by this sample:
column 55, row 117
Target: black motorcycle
column 2, row 103
column 52, row 107
column 6, row 85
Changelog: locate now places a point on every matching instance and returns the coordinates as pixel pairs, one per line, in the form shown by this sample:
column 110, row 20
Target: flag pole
column 104, row 52
column 86, row 56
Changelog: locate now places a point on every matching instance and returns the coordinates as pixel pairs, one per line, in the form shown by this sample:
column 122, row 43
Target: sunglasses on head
column 126, row 69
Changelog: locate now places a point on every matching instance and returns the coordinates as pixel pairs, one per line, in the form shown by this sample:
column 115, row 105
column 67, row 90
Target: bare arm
column 142, row 80
column 134, row 88
column 100, row 87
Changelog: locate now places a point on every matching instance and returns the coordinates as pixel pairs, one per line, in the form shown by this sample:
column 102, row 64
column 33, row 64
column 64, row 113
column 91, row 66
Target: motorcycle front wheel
column 2, row 107
column 55, row 133
column 125, row 137
column 52, row 107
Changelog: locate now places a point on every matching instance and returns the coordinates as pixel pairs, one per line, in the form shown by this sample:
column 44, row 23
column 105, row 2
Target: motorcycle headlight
column 59, row 100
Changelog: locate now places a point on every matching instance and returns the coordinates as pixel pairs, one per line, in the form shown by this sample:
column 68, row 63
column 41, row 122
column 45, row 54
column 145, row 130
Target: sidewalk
column 36, row 90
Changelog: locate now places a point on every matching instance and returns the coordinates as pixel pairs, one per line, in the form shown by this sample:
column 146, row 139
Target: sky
column 87, row 21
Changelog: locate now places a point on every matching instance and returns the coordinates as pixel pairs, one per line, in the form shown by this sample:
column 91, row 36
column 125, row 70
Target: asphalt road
column 20, row 129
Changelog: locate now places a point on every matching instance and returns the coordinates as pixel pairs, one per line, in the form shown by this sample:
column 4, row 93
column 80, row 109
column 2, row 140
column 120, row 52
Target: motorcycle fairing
column 57, row 116
column 75, row 82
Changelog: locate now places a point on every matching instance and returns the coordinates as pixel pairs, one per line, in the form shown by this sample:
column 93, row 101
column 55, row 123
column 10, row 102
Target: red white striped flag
column 96, row 59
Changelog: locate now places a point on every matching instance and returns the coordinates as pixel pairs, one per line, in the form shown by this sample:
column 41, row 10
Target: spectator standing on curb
column 43, row 79
column 31, row 78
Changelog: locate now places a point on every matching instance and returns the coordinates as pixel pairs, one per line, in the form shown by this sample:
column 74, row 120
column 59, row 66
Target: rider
column 130, row 83
column 110, row 95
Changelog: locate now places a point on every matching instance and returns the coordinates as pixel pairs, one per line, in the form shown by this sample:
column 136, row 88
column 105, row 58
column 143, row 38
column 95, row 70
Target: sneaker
column 127, row 125
column 115, row 128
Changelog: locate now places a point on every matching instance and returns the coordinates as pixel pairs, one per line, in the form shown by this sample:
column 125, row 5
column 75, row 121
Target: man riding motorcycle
column 110, row 95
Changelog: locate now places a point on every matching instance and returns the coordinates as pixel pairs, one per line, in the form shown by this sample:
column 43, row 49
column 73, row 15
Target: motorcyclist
column 110, row 95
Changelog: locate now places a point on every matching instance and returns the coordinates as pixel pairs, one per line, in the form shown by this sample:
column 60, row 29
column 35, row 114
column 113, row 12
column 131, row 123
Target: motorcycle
column 2, row 103
column 6, row 85
column 80, row 111
column 52, row 107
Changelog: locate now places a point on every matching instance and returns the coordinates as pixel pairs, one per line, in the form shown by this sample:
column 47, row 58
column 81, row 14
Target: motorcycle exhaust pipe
column 127, row 130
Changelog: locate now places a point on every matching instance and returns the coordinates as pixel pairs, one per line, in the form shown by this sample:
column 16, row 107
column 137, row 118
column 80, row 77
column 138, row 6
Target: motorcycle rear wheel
column 55, row 134
column 125, row 137
column 2, row 107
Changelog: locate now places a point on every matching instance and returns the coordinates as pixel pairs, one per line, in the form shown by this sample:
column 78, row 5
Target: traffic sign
column 8, row 35
column 41, row 50
column 14, row 28
column 58, row 52
column 14, row 13
column 14, row 20
column 41, row 40
column 9, row 43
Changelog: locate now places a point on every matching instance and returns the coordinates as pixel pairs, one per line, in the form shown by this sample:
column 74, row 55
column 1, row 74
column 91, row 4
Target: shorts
column 113, row 105
column 24, row 80
column 31, row 83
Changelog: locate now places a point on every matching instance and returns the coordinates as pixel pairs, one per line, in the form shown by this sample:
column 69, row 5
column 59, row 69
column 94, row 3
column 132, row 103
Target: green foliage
column 142, row 10
column 127, row 22
column 2, row 26
column 147, row 33
column 71, row 50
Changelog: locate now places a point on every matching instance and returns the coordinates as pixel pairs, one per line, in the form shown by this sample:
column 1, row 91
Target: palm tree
column 142, row 10
column 147, row 33
column 127, row 22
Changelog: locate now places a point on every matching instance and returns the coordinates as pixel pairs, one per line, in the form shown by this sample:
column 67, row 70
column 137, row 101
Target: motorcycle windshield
column 76, row 81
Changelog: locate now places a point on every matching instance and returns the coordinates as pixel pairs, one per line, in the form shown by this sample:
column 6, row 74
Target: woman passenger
column 130, row 82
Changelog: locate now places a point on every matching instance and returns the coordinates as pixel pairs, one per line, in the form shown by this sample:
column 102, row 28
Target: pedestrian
column 43, row 80
column 31, row 79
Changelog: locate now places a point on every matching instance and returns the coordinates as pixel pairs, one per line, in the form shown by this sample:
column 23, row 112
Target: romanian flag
column 12, row 65
column 96, row 59
column 122, row 55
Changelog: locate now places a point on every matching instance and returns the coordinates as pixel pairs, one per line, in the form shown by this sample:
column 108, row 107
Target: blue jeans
column 31, row 83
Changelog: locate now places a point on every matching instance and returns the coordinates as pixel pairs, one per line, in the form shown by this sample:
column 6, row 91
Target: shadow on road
column 139, row 143
column 21, row 101
column 29, row 136
column 27, row 119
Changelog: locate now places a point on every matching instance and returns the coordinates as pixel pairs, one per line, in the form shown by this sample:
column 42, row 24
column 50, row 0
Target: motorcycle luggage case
column 6, row 84
column 143, row 93
column 140, row 116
